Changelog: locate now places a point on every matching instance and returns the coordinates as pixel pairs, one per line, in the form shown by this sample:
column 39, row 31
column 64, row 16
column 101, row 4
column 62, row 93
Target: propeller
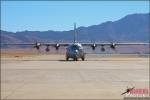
column 102, row 48
column 57, row 46
column 47, row 48
column 37, row 45
column 113, row 46
column 93, row 46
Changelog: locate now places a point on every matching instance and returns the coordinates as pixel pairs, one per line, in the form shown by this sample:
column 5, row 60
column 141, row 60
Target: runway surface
column 51, row 77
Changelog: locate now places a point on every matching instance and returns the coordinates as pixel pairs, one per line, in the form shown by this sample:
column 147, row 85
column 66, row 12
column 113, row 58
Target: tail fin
column 75, row 33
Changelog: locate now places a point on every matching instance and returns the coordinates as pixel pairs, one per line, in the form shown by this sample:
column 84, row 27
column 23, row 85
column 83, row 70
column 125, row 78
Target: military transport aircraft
column 75, row 50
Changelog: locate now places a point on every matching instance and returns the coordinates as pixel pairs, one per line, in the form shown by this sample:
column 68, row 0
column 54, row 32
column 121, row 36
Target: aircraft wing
column 17, row 43
column 112, row 45
column 57, row 45
column 102, row 44
column 37, row 45
column 131, row 43
column 66, row 44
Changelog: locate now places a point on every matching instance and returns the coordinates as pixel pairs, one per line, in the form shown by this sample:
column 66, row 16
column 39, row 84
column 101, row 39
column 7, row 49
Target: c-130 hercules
column 75, row 50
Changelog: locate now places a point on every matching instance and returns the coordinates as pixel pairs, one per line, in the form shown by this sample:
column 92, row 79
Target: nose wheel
column 75, row 59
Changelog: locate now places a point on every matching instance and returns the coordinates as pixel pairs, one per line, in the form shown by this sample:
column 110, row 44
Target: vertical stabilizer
column 75, row 33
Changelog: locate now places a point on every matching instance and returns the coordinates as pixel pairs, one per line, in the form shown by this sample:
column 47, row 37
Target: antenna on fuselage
column 75, row 33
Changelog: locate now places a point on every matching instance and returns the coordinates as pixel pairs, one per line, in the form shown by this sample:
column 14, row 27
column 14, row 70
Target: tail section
column 75, row 33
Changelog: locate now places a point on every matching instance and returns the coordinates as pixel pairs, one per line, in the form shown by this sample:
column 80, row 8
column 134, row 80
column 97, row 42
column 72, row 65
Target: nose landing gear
column 75, row 59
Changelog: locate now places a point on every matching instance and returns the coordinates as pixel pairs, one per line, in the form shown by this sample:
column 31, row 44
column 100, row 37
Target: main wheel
column 75, row 59
column 83, row 58
column 67, row 58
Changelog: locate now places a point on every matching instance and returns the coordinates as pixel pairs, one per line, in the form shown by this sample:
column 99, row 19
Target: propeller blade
column 113, row 46
column 93, row 46
column 37, row 45
column 57, row 46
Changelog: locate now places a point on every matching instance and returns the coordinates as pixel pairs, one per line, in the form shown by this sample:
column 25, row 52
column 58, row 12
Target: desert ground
column 49, row 76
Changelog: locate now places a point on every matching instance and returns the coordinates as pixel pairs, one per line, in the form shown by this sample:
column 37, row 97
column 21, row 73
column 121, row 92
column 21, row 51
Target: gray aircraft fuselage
column 75, row 51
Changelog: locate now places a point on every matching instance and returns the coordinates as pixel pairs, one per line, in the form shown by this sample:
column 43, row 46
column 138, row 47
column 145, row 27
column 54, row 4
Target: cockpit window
column 75, row 47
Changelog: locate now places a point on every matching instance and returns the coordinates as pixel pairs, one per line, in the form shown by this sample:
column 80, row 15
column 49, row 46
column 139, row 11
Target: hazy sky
column 60, row 15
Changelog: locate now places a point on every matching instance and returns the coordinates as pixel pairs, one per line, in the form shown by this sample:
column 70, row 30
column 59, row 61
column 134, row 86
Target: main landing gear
column 75, row 59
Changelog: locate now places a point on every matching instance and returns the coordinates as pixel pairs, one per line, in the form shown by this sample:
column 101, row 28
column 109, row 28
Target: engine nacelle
column 102, row 48
column 47, row 48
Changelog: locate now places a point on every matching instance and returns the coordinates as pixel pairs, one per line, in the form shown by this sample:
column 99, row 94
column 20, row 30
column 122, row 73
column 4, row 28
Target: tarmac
column 49, row 76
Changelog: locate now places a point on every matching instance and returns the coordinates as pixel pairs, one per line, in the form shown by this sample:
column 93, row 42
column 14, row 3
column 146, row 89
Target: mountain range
column 131, row 28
